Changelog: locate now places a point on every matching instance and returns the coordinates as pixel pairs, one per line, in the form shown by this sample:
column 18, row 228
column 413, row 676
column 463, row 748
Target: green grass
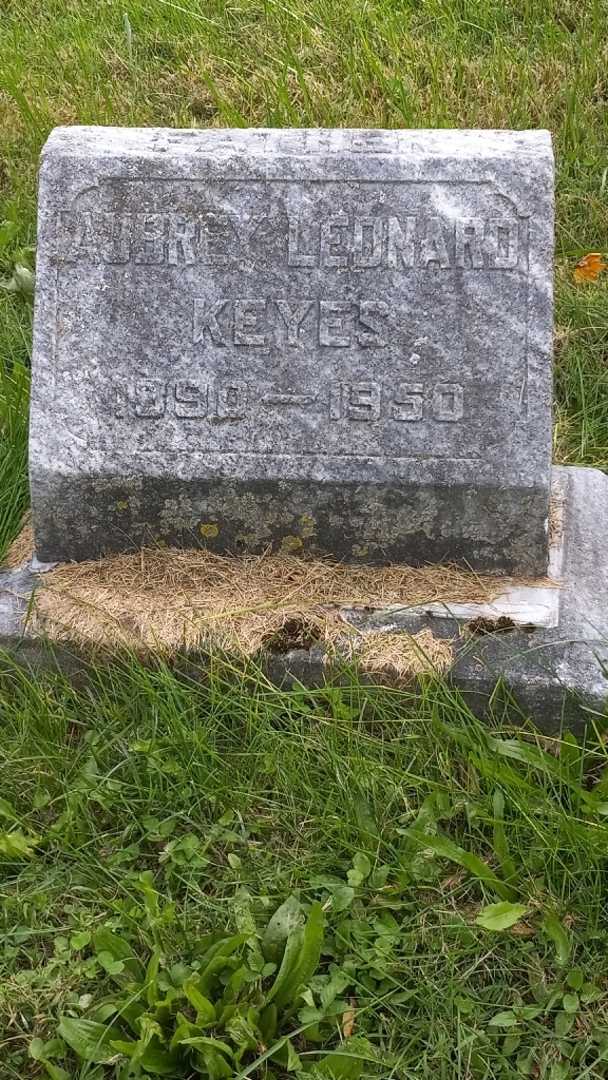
column 234, row 795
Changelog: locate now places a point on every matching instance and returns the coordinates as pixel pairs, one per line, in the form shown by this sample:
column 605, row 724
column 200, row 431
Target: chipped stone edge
column 523, row 605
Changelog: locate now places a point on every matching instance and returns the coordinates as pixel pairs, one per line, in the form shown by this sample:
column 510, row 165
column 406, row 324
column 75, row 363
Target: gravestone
column 317, row 341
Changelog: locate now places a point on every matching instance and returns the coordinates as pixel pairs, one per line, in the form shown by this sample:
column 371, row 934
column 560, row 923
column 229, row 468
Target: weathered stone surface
column 556, row 674
column 322, row 340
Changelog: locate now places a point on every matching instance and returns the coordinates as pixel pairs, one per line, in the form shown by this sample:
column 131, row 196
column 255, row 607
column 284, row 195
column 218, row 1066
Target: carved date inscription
column 153, row 399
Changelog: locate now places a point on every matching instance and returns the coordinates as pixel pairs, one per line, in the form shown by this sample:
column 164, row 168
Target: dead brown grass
column 402, row 656
column 22, row 547
column 556, row 515
column 170, row 599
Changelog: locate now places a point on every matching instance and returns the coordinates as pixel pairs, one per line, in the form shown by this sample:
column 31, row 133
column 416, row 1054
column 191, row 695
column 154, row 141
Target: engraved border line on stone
column 522, row 216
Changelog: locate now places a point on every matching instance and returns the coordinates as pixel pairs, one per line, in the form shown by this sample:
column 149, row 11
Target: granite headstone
column 320, row 341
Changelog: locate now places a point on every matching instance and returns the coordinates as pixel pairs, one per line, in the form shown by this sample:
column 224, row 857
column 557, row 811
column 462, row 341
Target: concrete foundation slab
column 542, row 648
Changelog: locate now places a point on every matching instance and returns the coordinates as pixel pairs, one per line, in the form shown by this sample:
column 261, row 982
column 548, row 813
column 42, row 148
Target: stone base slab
column 542, row 649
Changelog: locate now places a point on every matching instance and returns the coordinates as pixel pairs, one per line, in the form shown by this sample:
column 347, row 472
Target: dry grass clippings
column 401, row 655
column 22, row 547
column 163, row 599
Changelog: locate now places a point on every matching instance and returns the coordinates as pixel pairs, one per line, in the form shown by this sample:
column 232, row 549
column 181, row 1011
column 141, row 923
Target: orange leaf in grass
column 348, row 1019
column 589, row 267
